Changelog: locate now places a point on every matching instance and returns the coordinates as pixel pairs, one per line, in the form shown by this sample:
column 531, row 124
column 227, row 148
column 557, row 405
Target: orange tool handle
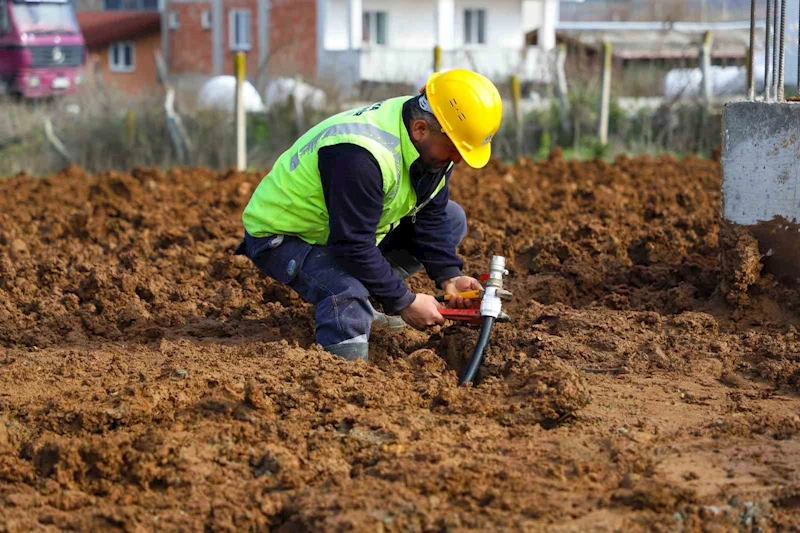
column 469, row 295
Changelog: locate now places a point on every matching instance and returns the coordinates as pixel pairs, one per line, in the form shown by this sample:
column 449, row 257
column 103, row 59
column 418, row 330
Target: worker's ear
column 419, row 130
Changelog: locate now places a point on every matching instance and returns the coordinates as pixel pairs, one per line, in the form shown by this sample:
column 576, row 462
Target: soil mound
column 150, row 380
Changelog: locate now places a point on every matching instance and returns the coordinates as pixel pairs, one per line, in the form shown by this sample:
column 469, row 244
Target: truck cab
column 42, row 51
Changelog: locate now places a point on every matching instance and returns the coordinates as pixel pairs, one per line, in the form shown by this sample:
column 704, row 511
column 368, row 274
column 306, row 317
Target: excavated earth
column 152, row 381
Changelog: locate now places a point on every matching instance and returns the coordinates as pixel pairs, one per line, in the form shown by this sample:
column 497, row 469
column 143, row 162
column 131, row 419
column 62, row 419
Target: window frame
column 472, row 29
column 369, row 28
column 232, row 44
column 122, row 68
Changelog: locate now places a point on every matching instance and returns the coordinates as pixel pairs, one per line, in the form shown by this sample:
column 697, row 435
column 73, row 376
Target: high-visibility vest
column 290, row 201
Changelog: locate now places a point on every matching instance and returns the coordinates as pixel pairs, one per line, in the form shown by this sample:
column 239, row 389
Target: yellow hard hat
column 469, row 108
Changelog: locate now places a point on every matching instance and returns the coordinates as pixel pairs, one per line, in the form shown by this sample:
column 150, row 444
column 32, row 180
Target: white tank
column 280, row 89
column 220, row 93
column 688, row 82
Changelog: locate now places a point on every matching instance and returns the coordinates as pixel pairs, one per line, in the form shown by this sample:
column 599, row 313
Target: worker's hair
column 418, row 113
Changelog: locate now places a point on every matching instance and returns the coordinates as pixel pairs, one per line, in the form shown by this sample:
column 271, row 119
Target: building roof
column 642, row 42
column 103, row 27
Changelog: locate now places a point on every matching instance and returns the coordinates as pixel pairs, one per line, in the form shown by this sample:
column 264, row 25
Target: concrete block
column 760, row 175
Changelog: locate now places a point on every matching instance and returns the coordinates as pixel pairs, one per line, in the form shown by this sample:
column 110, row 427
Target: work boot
column 351, row 351
column 391, row 323
column 384, row 322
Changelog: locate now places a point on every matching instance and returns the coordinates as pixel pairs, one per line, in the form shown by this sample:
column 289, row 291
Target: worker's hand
column 423, row 312
column 459, row 284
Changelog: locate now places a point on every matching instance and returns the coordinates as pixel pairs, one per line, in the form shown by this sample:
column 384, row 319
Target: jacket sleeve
column 352, row 184
column 434, row 244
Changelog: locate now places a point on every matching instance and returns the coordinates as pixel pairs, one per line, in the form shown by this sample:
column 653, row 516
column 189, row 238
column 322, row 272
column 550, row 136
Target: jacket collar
column 409, row 151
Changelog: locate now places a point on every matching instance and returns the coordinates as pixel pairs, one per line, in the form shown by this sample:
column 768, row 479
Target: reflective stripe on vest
column 386, row 139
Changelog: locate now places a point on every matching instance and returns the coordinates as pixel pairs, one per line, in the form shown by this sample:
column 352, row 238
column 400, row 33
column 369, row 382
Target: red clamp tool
column 489, row 311
column 473, row 315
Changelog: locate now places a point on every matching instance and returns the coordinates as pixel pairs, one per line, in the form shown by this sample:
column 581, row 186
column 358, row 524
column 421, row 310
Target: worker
column 361, row 202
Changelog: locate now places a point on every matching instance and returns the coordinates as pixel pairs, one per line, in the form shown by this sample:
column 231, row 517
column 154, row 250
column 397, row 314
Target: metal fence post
column 177, row 133
column 55, row 141
column 605, row 95
column 241, row 122
column 775, row 21
column 767, row 58
column 130, row 127
column 751, row 53
column 561, row 86
column 782, row 56
column 516, row 100
column 705, row 68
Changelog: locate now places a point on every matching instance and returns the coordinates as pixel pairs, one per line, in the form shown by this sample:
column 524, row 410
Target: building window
column 121, row 57
column 373, row 28
column 474, row 26
column 131, row 5
column 5, row 26
column 240, row 29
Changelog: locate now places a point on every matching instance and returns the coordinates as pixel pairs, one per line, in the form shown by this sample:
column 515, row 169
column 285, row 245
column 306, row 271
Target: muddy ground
column 151, row 381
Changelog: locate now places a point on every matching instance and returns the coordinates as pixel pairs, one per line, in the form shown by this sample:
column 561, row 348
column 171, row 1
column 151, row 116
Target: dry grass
column 107, row 129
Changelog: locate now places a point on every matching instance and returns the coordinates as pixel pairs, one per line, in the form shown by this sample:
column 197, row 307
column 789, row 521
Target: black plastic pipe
column 477, row 354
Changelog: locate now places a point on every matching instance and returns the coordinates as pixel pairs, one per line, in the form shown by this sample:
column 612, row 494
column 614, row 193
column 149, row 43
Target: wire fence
column 592, row 106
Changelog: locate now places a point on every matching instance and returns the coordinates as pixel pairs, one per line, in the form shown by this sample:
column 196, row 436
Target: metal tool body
column 471, row 316
column 490, row 311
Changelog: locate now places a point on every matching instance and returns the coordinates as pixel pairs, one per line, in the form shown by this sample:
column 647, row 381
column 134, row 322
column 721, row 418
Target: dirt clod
column 150, row 380
column 740, row 263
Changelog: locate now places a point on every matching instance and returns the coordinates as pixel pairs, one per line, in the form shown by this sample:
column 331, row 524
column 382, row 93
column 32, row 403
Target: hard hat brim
column 479, row 157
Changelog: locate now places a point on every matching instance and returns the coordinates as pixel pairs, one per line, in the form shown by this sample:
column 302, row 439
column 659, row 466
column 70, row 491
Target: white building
column 393, row 41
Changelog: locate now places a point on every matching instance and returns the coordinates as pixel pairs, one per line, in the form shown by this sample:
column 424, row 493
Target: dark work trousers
column 344, row 313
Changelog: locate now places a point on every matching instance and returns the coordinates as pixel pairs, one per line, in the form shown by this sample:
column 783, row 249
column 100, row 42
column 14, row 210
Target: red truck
column 42, row 51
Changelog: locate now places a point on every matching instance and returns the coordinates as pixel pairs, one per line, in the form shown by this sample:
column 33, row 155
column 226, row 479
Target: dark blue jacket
column 353, row 187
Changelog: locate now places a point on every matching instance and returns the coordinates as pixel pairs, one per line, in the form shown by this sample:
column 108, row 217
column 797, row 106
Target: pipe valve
column 492, row 303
